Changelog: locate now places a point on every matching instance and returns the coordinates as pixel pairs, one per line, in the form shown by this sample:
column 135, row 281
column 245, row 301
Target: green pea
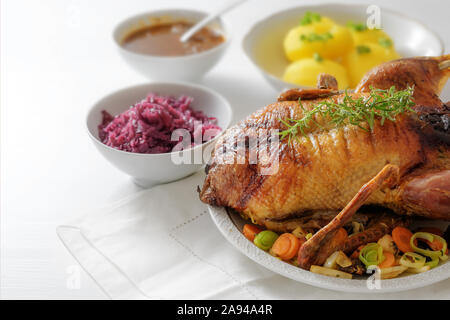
column 265, row 239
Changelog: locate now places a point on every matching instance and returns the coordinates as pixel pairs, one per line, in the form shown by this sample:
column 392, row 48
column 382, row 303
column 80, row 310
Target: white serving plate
column 230, row 225
column 411, row 37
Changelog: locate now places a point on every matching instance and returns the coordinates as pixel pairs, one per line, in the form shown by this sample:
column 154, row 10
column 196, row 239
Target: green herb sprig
column 380, row 104
column 358, row 27
column 361, row 49
column 309, row 18
column 311, row 37
column 317, row 57
column 385, row 42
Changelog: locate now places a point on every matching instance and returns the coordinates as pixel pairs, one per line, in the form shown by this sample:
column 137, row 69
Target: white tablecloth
column 57, row 59
column 153, row 245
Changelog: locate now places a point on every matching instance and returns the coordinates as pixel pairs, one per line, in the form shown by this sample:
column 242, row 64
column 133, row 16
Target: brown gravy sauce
column 164, row 40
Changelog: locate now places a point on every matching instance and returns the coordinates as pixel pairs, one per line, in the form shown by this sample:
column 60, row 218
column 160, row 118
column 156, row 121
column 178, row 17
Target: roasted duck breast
column 324, row 163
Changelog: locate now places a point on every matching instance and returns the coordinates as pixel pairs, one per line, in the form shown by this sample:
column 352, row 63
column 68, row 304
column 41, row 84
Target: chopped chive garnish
column 312, row 37
column 359, row 27
column 309, row 18
column 385, row 42
column 317, row 57
column 363, row 49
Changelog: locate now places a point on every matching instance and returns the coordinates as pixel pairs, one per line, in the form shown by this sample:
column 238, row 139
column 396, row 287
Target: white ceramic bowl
column 179, row 68
column 411, row 37
column 151, row 169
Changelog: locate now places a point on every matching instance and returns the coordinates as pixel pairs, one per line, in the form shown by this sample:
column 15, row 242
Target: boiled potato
column 361, row 35
column 305, row 72
column 364, row 57
column 323, row 37
column 322, row 25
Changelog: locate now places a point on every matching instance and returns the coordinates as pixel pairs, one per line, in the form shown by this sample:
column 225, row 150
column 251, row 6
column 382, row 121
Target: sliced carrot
column 355, row 253
column 250, row 231
column 436, row 245
column 340, row 236
column 286, row 246
column 389, row 260
column 401, row 237
column 432, row 230
column 339, row 239
column 302, row 241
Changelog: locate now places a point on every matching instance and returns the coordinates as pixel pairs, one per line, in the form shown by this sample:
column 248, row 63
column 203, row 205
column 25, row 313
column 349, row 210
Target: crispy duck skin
column 324, row 170
column 324, row 242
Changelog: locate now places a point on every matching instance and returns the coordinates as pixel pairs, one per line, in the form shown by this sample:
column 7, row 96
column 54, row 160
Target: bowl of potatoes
column 292, row 47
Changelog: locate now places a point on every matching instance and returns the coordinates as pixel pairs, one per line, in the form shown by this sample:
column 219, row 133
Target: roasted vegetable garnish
column 389, row 273
column 412, row 260
column 441, row 253
column 371, row 255
column 330, row 272
column 387, row 243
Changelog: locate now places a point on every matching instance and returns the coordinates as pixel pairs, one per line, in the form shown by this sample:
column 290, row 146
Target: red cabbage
column 148, row 125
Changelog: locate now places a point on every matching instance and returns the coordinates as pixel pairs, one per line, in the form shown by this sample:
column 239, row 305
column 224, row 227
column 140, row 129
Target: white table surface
column 57, row 59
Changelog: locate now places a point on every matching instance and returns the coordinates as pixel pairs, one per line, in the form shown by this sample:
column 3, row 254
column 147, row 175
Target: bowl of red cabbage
column 158, row 132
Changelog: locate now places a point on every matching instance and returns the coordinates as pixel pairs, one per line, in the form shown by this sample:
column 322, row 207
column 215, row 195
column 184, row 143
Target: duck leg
column 317, row 249
column 428, row 195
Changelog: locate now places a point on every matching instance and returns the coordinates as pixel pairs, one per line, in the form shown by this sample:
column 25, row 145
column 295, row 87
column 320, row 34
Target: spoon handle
column 205, row 21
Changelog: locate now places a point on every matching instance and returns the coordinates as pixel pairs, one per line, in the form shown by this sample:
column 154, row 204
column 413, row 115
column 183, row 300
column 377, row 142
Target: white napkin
column 161, row 244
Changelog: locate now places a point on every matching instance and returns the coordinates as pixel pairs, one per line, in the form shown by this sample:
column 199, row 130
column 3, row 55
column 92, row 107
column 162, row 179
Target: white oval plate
column 411, row 37
column 230, row 225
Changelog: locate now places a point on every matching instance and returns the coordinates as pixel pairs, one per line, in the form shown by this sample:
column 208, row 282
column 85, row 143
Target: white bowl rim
column 179, row 83
column 226, row 29
column 321, row 5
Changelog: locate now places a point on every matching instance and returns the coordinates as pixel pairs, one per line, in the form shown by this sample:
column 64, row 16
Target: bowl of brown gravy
column 150, row 44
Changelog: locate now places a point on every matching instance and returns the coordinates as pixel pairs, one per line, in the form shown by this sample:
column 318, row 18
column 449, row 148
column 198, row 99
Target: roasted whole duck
column 327, row 166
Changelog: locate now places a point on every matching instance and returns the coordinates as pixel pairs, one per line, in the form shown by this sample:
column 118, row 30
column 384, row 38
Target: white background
column 57, row 59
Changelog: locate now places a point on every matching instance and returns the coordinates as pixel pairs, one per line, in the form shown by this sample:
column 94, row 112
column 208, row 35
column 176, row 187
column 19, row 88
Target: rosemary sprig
column 379, row 105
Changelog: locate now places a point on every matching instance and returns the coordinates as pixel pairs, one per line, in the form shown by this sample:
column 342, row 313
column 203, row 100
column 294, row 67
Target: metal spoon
column 205, row 21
